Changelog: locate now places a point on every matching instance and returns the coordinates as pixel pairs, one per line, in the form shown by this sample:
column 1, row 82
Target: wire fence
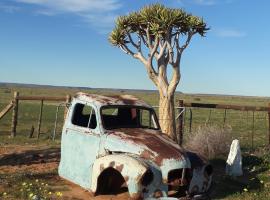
column 249, row 124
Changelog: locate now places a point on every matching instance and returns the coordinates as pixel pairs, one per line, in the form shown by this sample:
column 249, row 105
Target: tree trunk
column 167, row 115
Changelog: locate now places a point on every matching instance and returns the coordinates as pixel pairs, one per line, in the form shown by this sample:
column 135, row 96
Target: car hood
column 148, row 144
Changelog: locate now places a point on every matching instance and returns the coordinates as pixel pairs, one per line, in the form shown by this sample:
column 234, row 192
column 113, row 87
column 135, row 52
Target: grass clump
column 210, row 141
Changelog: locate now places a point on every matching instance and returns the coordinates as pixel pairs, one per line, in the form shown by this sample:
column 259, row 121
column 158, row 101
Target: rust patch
column 157, row 146
column 119, row 167
column 147, row 154
column 112, row 164
column 126, row 178
column 136, row 196
column 101, row 168
column 113, row 99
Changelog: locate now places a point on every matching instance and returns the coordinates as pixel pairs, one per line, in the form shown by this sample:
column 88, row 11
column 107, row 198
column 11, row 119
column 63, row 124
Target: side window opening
column 128, row 117
column 84, row 116
column 148, row 119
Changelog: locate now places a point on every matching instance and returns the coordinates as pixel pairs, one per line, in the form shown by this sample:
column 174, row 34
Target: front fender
column 201, row 180
column 130, row 168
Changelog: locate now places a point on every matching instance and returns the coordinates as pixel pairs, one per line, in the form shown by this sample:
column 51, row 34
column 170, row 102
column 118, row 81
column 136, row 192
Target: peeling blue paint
column 86, row 153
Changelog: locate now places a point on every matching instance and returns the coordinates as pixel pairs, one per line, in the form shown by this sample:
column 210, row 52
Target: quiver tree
column 157, row 36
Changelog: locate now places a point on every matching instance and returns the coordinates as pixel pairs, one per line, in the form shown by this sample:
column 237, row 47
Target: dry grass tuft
column 210, row 141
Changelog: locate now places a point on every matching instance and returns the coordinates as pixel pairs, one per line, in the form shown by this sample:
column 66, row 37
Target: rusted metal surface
column 154, row 145
column 111, row 100
column 130, row 168
column 144, row 160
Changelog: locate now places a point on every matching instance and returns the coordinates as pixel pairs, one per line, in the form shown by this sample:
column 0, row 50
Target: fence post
column 31, row 131
column 40, row 119
column 269, row 124
column 190, row 120
column 253, row 130
column 180, row 122
column 224, row 117
column 14, row 114
column 68, row 100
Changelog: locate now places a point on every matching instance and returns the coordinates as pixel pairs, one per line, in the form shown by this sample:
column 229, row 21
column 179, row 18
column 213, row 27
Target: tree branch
column 124, row 48
column 170, row 52
column 148, row 37
column 132, row 42
column 139, row 44
column 190, row 34
column 138, row 55
column 153, row 50
column 175, row 80
column 143, row 39
column 162, row 50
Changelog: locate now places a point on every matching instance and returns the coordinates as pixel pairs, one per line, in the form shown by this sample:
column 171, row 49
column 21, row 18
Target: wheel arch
column 131, row 169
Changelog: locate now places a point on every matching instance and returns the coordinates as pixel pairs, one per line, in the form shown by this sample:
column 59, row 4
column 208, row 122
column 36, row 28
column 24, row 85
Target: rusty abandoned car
column 114, row 143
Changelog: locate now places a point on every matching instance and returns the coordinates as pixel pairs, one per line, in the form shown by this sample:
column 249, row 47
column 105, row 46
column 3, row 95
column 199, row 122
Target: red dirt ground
column 39, row 160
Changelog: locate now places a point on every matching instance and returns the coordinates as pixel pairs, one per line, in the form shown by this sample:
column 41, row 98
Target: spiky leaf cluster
column 159, row 21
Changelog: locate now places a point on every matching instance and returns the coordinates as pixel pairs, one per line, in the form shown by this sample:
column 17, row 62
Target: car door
column 80, row 144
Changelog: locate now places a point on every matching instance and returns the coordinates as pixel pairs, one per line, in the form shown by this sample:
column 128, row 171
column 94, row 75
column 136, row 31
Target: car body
column 114, row 142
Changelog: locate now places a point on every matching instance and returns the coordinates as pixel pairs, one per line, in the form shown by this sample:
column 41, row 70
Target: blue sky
column 64, row 42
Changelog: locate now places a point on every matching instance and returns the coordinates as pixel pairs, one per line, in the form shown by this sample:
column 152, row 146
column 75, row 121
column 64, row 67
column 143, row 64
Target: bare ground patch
column 21, row 165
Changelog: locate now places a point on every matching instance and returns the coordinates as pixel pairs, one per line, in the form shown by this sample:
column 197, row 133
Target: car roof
column 102, row 100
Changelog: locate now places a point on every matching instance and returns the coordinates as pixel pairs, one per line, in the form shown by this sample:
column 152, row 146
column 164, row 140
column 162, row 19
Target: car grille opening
column 147, row 178
column 178, row 182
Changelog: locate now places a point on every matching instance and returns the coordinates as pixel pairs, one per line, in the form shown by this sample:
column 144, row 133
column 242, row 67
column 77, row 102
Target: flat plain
column 28, row 166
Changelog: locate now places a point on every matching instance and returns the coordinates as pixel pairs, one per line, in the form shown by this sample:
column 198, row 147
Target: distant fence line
column 15, row 105
column 181, row 105
column 225, row 107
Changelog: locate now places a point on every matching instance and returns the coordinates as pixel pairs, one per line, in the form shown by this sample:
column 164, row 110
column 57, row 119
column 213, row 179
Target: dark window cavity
column 84, row 116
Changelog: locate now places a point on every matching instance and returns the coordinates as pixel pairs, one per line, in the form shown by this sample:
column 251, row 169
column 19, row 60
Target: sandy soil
column 17, row 159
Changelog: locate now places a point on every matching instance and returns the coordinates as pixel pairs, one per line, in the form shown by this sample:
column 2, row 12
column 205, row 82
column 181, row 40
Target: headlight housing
column 147, row 178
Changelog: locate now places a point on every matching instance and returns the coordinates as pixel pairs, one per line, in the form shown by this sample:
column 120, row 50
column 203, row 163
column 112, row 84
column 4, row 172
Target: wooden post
column 269, row 124
column 31, row 131
column 209, row 116
column 14, row 114
column 190, row 120
column 6, row 109
column 180, row 122
column 224, row 117
column 40, row 119
column 253, row 130
column 68, row 100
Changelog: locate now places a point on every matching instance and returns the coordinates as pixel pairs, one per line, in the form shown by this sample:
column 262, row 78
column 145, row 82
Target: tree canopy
column 156, row 20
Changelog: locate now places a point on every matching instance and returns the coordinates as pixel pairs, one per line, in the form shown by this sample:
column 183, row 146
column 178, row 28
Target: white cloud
column 230, row 33
column 9, row 8
column 76, row 6
column 98, row 13
column 204, row 2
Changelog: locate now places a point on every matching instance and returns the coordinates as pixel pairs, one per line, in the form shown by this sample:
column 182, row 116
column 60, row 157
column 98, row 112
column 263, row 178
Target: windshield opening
column 114, row 117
